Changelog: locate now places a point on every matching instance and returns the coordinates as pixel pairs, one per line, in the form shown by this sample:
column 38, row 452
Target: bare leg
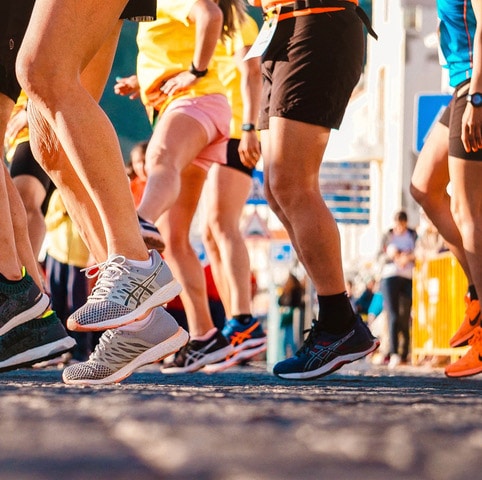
column 292, row 187
column 466, row 207
column 175, row 225
column 86, row 134
column 226, row 191
column 429, row 188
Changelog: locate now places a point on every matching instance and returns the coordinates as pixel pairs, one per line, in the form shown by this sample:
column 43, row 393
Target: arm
column 472, row 118
column 251, row 83
column 208, row 18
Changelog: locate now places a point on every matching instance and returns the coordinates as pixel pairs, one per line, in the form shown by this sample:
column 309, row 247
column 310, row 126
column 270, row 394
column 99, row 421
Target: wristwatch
column 475, row 99
column 197, row 73
column 248, row 127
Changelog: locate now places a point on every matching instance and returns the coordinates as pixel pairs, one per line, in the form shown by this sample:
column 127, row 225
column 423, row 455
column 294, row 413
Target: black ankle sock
column 336, row 313
column 473, row 293
column 243, row 318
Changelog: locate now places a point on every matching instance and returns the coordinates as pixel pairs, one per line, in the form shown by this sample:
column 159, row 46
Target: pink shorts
column 214, row 114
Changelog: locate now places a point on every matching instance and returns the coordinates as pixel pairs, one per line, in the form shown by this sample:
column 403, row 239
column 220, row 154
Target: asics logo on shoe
column 194, row 355
column 239, row 337
column 474, row 321
column 137, row 291
column 321, row 354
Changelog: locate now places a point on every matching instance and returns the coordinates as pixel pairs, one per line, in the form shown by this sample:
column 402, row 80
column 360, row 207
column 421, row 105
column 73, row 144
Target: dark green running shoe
column 34, row 341
column 20, row 302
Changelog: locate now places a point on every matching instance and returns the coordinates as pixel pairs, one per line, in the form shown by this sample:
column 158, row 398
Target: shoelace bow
column 101, row 347
column 310, row 340
column 107, row 272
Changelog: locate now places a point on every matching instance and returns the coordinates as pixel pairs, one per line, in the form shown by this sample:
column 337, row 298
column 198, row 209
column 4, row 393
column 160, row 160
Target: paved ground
column 364, row 423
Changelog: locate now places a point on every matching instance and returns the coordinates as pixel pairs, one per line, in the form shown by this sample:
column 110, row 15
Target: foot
column 124, row 293
column 120, row 352
column 470, row 323
column 34, row 341
column 471, row 362
column 197, row 354
column 247, row 342
column 20, row 302
column 323, row 353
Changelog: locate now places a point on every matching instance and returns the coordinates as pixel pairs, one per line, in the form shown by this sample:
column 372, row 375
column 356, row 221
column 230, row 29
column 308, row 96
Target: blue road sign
column 428, row 109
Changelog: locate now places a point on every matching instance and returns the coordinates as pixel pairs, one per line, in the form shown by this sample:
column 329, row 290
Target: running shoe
column 247, row 342
column 34, row 341
column 197, row 354
column 151, row 235
column 471, row 362
column 120, row 352
column 323, row 353
column 469, row 325
column 124, row 293
column 20, row 302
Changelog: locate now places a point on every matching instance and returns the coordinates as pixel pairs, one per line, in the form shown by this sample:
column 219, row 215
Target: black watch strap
column 197, row 73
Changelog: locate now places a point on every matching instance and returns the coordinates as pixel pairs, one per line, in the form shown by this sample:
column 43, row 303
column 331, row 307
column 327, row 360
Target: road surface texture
column 363, row 423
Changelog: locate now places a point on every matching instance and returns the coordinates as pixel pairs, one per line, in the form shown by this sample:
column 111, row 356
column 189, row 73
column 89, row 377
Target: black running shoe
column 20, row 302
column 34, row 341
column 323, row 353
column 196, row 354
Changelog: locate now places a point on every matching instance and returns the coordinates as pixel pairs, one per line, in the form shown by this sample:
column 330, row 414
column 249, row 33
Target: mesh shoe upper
column 19, row 302
column 470, row 323
column 323, row 353
column 119, row 352
column 123, row 293
column 471, row 362
column 33, row 341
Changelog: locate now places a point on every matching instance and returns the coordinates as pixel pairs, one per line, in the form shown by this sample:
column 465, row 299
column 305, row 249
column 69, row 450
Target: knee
column 417, row 195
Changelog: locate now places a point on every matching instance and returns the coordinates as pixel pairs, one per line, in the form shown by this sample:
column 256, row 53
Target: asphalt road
column 365, row 422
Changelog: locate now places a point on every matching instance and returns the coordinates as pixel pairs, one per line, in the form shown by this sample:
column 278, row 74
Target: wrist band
column 248, row 127
column 197, row 73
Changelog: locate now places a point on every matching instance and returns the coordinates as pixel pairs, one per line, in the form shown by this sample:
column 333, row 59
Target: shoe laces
column 108, row 273
column 310, row 340
column 104, row 342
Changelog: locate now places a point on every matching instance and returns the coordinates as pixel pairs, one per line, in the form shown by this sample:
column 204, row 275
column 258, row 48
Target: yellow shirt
column 166, row 48
column 22, row 136
column 228, row 72
column 63, row 240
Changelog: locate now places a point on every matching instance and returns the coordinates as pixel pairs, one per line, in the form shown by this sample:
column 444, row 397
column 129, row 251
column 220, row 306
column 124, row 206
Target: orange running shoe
column 470, row 323
column 471, row 362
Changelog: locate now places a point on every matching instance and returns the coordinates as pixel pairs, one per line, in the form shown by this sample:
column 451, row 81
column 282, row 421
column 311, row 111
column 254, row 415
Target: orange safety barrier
column 439, row 288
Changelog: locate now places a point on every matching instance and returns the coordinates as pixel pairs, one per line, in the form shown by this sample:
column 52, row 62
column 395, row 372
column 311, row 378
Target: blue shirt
column 457, row 28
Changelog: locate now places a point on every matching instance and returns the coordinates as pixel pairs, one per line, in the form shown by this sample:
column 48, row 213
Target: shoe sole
column 465, row 373
column 33, row 312
column 38, row 354
column 154, row 354
column 236, row 359
column 160, row 297
column 213, row 357
column 330, row 367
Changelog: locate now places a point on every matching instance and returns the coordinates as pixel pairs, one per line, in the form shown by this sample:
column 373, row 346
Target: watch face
column 476, row 99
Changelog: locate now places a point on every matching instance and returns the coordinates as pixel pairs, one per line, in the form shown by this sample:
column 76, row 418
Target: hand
column 472, row 128
column 17, row 123
column 127, row 86
column 181, row 81
column 249, row 149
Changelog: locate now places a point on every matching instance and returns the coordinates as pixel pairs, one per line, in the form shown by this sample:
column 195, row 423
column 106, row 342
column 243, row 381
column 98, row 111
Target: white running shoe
column 120, row 352
column 124, row 293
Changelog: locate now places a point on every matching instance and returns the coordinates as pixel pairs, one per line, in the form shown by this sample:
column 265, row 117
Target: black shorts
column 452, row 117
column 311, row 67
column 140, row 11
column 24, row 163
column 14, row 18
column 234, row 160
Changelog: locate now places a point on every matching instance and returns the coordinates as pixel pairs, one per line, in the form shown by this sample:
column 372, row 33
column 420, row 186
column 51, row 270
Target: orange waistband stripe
column 308, row 11
column 272, row 3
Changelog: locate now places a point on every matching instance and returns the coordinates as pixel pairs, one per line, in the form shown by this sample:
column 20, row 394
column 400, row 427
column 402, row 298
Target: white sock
column 206, row 336
column 141, row 263
column 139, row 325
